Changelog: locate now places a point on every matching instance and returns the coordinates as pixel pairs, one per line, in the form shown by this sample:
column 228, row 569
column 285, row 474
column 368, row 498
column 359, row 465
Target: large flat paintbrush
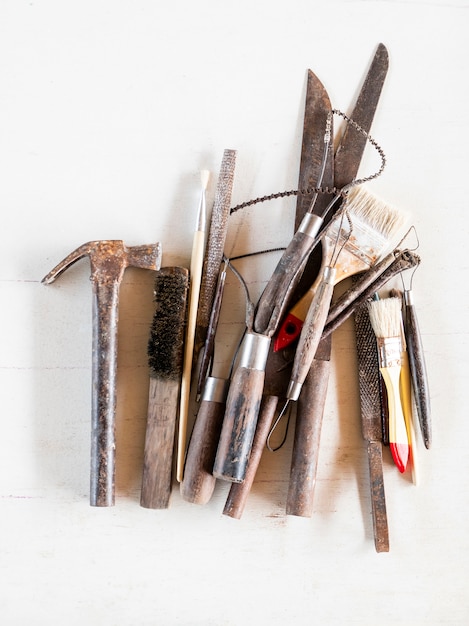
column 386, row 320
column 165, row 361
column 375, row 226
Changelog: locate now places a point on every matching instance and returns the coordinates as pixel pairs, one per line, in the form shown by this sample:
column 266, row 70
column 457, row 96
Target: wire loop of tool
column 333, row 191
column 274, row 427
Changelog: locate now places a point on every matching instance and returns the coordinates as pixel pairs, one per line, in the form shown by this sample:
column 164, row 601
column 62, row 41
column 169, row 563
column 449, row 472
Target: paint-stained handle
column 239, row 424
column 275, row 297
column 418, row 369
column 311, row 332
column 198, row 483
column 305, row 452
column 242, row 409
column 239, row 492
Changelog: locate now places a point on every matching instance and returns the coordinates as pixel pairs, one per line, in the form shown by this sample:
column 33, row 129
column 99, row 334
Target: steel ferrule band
column 254, row 351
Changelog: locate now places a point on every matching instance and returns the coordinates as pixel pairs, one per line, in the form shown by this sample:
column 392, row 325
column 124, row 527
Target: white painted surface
column 108, row 112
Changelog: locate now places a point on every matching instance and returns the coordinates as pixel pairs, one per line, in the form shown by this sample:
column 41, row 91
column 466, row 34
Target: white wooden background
column 108, row 111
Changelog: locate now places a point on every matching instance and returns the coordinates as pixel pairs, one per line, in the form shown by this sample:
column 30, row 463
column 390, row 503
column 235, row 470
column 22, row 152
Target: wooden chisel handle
column 417, row 368
column 309, row 416
column 242, row 409
column 275, row 297
column 311, row 332
column 159, row 443
column 239, row 492
column 198, row 483
column 378, row 501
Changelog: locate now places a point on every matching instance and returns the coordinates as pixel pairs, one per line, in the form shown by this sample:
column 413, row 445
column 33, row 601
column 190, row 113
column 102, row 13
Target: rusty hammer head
column 108, row 259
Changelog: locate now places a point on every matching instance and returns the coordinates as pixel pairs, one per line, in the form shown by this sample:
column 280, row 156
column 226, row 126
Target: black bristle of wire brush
column 165, row 344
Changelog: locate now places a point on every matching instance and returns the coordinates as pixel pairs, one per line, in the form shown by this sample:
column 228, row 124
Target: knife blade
column 247, row 384
column 347, row 159
column 346, row 164
column 278, row 365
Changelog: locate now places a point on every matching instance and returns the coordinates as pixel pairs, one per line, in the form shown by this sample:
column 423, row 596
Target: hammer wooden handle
column 199, row 482
column 239, row 492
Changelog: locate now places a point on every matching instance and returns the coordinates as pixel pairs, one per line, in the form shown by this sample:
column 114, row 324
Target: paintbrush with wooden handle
column 196, row 266
column 385, row 318
column 165, row 347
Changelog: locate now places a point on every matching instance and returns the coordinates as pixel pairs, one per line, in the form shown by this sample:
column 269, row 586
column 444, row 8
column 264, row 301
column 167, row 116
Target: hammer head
column 109, row 258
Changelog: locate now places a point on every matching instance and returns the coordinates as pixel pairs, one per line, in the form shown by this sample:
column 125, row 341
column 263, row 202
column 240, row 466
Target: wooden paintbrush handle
column 198, row 483
column 418, row 369
column 159, row 443
column 311, row 332
column 398, row 440
column 275, row 297
column 305, row 452
column 239, row 492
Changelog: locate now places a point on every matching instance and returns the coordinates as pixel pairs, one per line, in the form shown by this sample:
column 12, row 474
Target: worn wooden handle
column 199, row 482
column 378, row 500
column 239, row 492
column 418, row 370
column 275, row 297
column 159, row 443
column 239, row 424
column 309, row 416
column 311, row 332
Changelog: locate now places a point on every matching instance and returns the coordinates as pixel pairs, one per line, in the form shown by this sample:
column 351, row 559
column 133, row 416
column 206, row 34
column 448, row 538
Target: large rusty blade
column 317, row 109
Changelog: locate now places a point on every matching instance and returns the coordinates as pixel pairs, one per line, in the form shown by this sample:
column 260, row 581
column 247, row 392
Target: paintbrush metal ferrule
column 389, row 351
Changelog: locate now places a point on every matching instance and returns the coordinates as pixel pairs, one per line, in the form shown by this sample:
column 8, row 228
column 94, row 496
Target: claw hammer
column 108, row 260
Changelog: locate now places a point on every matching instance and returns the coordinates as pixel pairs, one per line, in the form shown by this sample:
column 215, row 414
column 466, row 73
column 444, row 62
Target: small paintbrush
column 196, row 266
column 165, row 347
column 386, row 320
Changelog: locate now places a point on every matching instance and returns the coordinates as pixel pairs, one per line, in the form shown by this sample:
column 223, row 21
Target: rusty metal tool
column 246, row 387
column 418, row 366
column 370, row 410
column 313, row 166
column 108, row 260
column 215, row 247
column 309, row 418
column 198, row 481
column 347, row 159
column 310, row 405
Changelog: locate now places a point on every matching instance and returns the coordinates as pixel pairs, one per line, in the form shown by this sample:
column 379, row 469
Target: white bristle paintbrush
column 386, row 321
column 350, row 246
column 376, row 226
column 197, row 259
